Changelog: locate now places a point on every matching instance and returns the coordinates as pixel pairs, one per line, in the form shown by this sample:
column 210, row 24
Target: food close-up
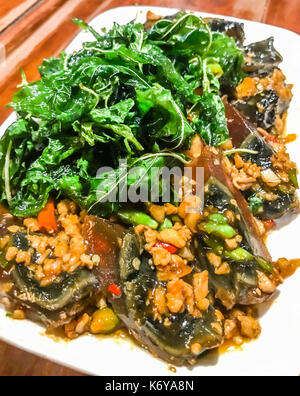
column 182, row 276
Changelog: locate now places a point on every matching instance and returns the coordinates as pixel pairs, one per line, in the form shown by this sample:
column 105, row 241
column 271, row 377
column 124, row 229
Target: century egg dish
column 178, row 91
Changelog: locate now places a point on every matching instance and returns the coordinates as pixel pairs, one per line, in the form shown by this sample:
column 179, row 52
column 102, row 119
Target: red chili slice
column 170, row 248
column 271, row 138
column 269, row 224
column 114, row 289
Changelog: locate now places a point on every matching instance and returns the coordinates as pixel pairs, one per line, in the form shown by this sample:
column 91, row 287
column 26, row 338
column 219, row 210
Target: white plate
column 276, row 352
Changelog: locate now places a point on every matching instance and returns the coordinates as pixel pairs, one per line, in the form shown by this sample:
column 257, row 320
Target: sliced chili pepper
column 170, row 248
column 269, row 224
column 114, row 289
column 46, row 217
column 271, row 138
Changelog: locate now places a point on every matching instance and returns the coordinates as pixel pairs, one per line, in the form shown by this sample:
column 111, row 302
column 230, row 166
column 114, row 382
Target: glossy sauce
column 230, row 346
column 56, row 335
column 118, row 336
column 292, row 137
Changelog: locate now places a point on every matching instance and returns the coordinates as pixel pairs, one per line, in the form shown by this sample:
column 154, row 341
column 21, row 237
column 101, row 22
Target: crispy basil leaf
column 126, row 95
column 210, row 119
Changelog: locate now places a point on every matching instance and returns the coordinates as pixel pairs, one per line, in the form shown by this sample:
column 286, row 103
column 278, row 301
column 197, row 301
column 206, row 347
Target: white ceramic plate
column 276, row 352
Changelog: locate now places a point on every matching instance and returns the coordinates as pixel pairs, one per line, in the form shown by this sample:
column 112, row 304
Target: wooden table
column 31, row 30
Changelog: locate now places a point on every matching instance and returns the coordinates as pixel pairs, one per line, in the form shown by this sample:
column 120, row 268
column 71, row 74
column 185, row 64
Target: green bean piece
column 135, row 218
column 223, row 231
column 239, row 254
column 176, row 219
column 218, row 218
column 214, row 244
column 293, row 177
column 265, row 265
column 166, row 224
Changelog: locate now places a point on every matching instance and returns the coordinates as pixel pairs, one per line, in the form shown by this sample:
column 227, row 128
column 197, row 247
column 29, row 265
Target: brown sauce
column 292, row 137
column 118, row 336
column 57, row 335
column 230, row 346
column 287, row 268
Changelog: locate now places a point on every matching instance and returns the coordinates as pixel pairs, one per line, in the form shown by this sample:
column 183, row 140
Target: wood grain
column 249, row 9
column 48, row 39
column 14, row 362
column 284, row 13
column 11, row 10
column 35, row 29
column 14, row 37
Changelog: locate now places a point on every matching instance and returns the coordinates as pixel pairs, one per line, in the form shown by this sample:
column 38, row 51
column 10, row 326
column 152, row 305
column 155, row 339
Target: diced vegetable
column 166, row 224
column 214, row 244
column 255, row 204
column 287, row 188
column 269, row 224
column 268, row 176
column 271, row 138
column 223, row 231
column 239, row 254
column 218, row 218
column 135, row 218
column 115, row 290
column 293, row 177
column 265, row 265
column 104, row 321
column 47, row 219
column 176, row 219
column 170, row 248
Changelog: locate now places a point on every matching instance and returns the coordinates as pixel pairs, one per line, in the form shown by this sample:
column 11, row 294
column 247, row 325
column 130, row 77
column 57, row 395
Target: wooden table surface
column 31, row 30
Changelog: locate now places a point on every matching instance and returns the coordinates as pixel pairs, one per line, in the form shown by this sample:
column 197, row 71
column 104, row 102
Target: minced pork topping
column 50, row 254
